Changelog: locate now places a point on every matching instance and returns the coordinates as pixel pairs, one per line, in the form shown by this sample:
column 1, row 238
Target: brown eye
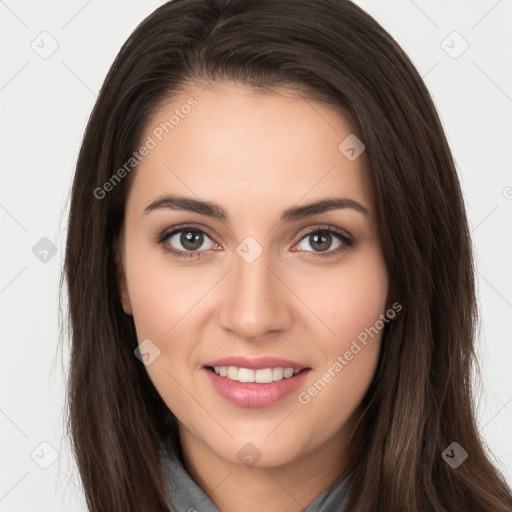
column 325, row 240
column 191, row 240
column 186, row 242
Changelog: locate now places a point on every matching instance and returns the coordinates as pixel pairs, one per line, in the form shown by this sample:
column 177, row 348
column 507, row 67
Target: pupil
column 191, row 240
column 322, row 241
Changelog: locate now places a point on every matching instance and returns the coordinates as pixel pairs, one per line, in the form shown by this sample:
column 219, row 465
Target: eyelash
column 166, row 234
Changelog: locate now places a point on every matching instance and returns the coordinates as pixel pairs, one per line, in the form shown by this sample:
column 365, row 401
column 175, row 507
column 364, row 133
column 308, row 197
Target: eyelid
column 327, row 227
column 166, row 233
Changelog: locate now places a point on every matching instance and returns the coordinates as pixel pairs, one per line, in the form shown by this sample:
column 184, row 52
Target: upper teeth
column 263, row 376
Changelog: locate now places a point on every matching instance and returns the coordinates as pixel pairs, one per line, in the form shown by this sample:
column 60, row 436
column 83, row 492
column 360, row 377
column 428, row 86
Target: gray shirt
column 187, row 496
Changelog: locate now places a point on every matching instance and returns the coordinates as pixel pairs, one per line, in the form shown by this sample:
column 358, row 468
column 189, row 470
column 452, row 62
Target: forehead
column 234, row 144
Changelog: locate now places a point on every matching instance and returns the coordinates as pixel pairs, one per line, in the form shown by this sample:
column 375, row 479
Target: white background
column 44, row 107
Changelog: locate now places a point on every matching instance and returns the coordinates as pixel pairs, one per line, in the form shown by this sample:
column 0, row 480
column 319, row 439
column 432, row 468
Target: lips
column 255, row 382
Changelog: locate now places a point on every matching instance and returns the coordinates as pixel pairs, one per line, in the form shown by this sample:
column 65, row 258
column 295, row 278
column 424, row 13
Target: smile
column 265, row 384
column 261, row 376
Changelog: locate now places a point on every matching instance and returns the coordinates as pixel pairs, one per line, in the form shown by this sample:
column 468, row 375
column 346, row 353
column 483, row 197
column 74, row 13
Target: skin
column 255, row 154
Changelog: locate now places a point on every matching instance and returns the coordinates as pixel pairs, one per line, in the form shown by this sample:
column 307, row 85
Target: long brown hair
column 421, row 398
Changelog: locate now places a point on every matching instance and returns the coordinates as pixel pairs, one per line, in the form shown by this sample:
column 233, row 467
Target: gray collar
column 187, row 496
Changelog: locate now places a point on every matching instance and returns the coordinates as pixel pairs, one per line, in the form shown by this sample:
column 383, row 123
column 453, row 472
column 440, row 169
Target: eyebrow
column 290, row 215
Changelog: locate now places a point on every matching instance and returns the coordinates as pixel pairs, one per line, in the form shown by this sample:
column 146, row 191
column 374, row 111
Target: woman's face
column 255, row 289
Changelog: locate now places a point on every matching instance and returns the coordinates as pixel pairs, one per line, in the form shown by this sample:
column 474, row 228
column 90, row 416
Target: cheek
column 161, row 313
column 348, row 299
column 167, row 305
column 350, row 303
column 161, row 295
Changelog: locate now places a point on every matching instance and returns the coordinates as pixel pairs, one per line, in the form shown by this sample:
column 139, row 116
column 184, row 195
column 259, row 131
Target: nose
column 254, row 301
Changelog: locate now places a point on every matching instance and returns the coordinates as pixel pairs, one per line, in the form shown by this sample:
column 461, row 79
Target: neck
column 292, row 486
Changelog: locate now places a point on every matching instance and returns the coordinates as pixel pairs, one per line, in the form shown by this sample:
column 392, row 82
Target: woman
column 269, row 272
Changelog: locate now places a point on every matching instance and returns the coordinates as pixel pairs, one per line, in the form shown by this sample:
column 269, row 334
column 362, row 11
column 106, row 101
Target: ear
column 121, row 275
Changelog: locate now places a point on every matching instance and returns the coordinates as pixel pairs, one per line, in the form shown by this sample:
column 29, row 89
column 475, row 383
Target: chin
column 257, row 452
